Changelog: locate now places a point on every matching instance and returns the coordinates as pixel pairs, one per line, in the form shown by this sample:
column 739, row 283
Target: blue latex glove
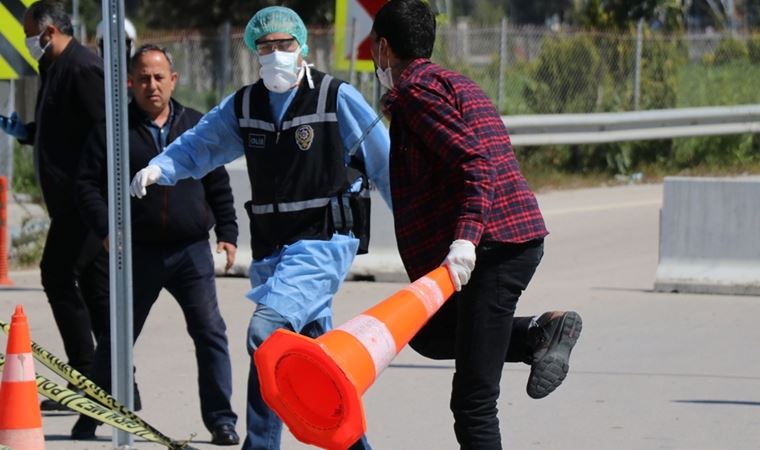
column 13, row 126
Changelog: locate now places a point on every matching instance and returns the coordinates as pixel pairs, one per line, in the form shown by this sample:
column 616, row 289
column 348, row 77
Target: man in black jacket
column 70, row 102
column 169, row 237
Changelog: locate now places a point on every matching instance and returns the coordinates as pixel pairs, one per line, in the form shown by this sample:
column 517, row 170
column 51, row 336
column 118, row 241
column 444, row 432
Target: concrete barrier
column 710, row 236
column 382, row 263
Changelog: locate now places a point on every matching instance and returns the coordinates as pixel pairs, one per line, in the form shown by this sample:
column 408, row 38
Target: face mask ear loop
column 307, row 70
column 390, row 71
column 39, row 44
column 39, row 38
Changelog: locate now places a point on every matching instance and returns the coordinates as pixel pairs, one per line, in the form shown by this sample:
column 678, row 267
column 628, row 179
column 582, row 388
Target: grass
column 736, row 83
column 26, row 250
column 24, row 179
column 544, row 178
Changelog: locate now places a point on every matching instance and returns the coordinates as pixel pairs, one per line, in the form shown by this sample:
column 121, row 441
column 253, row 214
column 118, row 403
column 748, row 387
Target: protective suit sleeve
column 214, row 141
column 354, row 117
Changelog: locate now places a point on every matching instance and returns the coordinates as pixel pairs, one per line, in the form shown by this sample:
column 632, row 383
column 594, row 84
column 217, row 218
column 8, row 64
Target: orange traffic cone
column 315, row 385
column 4, row 280
column 20, row 419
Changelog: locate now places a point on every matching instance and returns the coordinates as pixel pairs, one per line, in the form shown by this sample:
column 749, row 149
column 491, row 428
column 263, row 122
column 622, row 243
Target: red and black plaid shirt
column 453, row 173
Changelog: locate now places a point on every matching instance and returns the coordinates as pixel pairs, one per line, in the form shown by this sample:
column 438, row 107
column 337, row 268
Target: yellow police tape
column 89, row 407
column 110, row 412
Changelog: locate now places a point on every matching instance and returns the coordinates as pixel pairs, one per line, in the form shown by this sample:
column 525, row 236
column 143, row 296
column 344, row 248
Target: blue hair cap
column 276, row 19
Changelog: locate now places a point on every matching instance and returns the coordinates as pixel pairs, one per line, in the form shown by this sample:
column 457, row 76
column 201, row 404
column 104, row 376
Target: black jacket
column 70, row 103
column 168, row 214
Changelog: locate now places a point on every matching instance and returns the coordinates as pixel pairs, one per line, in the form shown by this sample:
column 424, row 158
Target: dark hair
column 147, row 48
column 409, row 27
column 47, row 12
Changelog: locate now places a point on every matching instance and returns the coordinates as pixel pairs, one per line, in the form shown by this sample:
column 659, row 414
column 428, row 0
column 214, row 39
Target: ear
column 382, row 45
column 129, row 81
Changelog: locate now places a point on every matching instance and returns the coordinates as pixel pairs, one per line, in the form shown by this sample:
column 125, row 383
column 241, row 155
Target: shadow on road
column 719, row 402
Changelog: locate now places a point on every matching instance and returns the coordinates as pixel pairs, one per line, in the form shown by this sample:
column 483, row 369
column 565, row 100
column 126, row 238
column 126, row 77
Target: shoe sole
column 550, row 371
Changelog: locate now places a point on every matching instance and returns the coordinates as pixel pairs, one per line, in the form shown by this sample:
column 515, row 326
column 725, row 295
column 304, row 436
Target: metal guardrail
column 597, row 128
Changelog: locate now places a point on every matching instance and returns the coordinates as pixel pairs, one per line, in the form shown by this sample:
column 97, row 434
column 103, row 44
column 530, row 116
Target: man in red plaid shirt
column 459, row 197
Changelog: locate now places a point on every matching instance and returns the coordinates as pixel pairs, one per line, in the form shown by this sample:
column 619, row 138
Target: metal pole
column 11, row 141
column 6, row 146
column 637, row 73
column 352, row 63
column 75, row 22
column 119, row 223
column 502, row 65
column 226, row 59
column 731, row 16
column 465, row 37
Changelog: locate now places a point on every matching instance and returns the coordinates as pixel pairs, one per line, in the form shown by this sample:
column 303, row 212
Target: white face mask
column 34, row 47
column 279, row 70
column 384, row 76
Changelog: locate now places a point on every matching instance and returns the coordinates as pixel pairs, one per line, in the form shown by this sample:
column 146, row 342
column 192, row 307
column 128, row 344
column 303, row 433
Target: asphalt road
column 650, row 371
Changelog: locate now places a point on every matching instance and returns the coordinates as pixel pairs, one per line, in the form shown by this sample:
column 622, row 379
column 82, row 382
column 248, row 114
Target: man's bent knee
column 264, row 322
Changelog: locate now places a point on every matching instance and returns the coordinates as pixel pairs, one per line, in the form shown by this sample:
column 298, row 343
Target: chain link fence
column 539, row 71
column 525, row 70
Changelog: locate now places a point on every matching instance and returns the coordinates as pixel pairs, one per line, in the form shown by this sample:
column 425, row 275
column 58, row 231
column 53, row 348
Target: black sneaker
column 224, row 434
column 52, row 405
column 84, row 429
column 558, row 332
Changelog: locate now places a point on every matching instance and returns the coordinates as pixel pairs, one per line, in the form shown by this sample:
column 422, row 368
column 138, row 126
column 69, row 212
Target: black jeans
column 478, row 329
column 187, row 272
column 76, row 290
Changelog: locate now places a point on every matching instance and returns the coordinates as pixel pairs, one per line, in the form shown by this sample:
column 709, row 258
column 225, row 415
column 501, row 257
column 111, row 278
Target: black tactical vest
column 297, row 172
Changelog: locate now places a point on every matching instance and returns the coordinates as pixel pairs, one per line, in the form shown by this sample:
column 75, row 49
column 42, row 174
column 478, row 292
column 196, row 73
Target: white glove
column 144, row 178
column 460, row 261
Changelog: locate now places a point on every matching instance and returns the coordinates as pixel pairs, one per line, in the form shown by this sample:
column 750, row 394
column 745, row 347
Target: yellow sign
column 15, row 61
column 353, row 23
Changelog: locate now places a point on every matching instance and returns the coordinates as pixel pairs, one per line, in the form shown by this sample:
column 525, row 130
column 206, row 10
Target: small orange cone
column 315, row 385
column 20, row 418
column 4, row 280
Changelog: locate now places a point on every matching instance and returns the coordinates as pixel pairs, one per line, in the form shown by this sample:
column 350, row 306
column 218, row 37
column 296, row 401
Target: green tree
column 624, row 14
column 212, row 13
column 565, row 77
column 487, row 12
column 537, row 11
column 90, row 12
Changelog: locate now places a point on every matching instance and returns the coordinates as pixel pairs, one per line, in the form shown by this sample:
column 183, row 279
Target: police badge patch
column 256, row 140
column 304, row 137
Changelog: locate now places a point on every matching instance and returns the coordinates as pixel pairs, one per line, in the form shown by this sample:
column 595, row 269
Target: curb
column 379, row 266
